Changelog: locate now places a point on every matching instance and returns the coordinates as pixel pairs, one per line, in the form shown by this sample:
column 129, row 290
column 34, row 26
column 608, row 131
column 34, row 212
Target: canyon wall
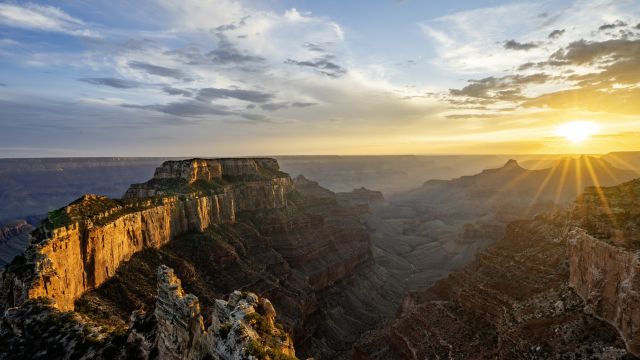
column 607, row 278
column 80, row 246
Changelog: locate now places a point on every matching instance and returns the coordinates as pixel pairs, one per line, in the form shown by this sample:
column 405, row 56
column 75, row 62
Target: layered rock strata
column 604, row 256
column 80, row 246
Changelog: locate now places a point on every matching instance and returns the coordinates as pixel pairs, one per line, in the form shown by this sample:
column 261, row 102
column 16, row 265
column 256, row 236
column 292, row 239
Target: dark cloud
column 226, row 27
column 617, row 24
column 188, row 108
column 588, row 52
column 274, row 106
column 157, row 70
column 556, row 34
column 637, row 26
column 514, row 45
column 302, row 104
column 506, row 88
column 323, row 65
column 228, row 53
column 2, row 84
column 112, row 82
column 318, row 47
column 208, row 94
column 175, row 91
column 526, row 66
column 256, row 117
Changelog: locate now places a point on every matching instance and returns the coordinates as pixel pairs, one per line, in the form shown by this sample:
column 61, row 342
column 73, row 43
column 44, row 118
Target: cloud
column 228, row 53
column 556, row 34
column 514, row 45
column 112, row 82
column 188, row 108
column 274, row 106
column 323, row 65
column 175, row 91
column 585, row 52
column 208, row 94
column 302, row 104
column 506, row 88
column 2, row 84
column 43, row 18
column 617, row 24
column 157, row 70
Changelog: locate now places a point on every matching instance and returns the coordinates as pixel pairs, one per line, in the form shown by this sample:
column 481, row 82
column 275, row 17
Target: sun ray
column 563, row 178
column 600, row 193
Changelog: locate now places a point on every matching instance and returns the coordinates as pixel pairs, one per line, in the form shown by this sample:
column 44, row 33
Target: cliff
column 14, row 237
column 80, row 246
column 603, row 256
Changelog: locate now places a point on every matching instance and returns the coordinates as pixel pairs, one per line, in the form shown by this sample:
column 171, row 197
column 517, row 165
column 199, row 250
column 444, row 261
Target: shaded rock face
column 514, row 301
column 603, row 258
column 181, row 334
column 14, row 237
column 80, row 246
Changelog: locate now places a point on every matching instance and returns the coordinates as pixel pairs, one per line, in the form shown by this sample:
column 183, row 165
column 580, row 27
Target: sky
column 287, row 77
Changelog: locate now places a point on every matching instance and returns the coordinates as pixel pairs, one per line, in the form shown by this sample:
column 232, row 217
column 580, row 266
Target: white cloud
column 43, row 18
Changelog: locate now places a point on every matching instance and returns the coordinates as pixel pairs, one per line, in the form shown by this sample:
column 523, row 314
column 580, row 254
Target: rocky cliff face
column 603, row 256
column 14, row 237
column 80, row 246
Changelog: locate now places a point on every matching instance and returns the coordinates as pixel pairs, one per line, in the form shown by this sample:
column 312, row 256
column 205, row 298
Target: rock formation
column 603, row 256
column 242, row 326
column 14, row 237
column 80, row 246
column 223, row 224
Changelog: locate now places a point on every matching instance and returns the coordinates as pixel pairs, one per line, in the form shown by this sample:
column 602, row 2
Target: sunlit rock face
column 80, row 246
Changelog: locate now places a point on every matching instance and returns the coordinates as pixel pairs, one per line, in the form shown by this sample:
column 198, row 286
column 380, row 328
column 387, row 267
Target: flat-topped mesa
column 186, row 176
column 80, row 246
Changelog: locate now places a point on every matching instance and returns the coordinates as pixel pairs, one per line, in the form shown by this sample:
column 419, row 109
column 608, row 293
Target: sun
column 577, row 131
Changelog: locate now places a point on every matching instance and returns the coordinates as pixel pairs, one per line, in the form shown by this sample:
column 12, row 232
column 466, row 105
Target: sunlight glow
column 577, row 131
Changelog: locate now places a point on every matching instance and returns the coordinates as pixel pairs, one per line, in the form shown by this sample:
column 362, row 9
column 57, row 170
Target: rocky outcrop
column 240, row 327
column 80, row 246
column 604, row 259
column 607, row 278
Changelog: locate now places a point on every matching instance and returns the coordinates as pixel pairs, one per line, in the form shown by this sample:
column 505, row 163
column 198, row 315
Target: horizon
column 300, row 77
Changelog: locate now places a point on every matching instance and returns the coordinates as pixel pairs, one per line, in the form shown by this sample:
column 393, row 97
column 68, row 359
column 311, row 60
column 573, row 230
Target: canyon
column 505, row 257
column 223, row 225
